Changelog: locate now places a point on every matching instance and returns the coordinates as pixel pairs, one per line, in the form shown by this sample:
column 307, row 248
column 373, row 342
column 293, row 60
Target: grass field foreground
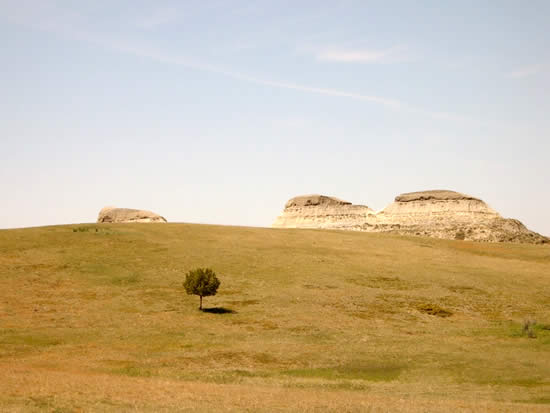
column 94, row 317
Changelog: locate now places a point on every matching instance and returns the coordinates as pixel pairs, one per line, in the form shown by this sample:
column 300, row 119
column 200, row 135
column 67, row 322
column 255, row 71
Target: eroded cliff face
column 319, row 211
column 440, row 214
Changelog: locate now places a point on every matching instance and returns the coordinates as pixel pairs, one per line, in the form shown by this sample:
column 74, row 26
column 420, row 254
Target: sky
column 219, row 112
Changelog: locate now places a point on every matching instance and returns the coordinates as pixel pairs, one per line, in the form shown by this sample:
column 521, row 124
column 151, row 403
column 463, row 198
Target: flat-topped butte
column 436, row 213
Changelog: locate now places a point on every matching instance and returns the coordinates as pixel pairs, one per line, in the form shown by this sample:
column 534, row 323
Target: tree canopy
column 202, row 282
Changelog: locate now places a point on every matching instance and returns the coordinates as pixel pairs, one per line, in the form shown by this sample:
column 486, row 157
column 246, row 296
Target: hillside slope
column 94, row 317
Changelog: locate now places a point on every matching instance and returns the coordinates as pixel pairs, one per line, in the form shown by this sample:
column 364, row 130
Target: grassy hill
column 94, row 317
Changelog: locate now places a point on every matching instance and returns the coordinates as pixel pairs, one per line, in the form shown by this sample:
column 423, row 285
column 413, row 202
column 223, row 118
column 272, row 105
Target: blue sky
column 218, row 112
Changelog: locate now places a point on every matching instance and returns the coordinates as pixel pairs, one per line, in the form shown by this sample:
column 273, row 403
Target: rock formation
column 125, row 215
column 440, row 214
column 319, row 211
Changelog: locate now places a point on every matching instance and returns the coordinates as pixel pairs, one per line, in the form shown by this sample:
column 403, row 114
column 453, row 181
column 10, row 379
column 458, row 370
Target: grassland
column 95, row 318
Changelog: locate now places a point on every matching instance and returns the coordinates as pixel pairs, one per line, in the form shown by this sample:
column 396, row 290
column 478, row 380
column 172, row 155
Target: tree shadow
column 218, row 310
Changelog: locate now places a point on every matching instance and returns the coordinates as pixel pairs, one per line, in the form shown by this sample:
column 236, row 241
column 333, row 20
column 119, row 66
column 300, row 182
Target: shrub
column 528, row 328
column 202, row 282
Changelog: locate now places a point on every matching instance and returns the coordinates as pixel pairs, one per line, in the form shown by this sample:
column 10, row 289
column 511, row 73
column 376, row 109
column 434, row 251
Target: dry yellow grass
column 94, row 317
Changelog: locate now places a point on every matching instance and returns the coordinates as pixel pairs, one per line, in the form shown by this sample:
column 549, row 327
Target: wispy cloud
column 197, row 65
column 72, row 30
column 529, row 70
column 194, row 64
column 391, row 55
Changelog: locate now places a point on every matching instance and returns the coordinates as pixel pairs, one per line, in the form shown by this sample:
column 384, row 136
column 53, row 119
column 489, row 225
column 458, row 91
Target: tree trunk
column 200, row 306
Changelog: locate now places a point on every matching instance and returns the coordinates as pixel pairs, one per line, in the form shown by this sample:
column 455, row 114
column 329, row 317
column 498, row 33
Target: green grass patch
column 93, row 229
column 374, row 371
column 14, row 342
column 536, row 400
column 384, row 282
column 133, row 371
column 17, row 338
column 124, row 280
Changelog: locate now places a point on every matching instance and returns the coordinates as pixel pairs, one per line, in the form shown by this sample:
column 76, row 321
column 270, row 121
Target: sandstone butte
column 126, row 215
column 438, row 213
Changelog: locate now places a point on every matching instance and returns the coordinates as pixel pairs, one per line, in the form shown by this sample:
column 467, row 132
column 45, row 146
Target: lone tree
column 202, row 282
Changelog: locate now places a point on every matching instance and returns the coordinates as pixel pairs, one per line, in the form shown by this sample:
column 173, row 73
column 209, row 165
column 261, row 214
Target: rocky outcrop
column 440, row 213
column 435, row 195
column 319, row 211
column 125, row 215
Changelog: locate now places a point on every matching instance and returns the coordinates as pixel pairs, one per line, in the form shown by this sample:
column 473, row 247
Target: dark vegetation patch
column 253, row 324
column 532, row 329
column 264, row 358
column 109, row 273
column 319, row 287
column 536, row 400
column 528, row 328
column 507, row 251
column 465, row 289
column 93, row 229
column 123, row 280
column 13, row 342
column 249, row 373
column 375, row 371
column 481, row 370
column 41, row 268
column 230, row 291
column 390, row 304
column 48, row 403
column 504, row 380
column 434, row 309
column 309, row 334
column 269, row 325
column 460, row 235
column 133, row 370
column 34, row 340
column 228, row 360
column 244, row 302
column 384, row 282
column 513, row 329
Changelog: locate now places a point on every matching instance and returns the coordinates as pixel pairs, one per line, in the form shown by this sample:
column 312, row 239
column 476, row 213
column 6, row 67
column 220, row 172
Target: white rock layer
column 319, row 211
column 440, row 214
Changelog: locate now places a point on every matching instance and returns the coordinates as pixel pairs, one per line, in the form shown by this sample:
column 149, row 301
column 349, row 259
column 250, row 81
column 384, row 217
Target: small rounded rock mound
column 127, row 215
